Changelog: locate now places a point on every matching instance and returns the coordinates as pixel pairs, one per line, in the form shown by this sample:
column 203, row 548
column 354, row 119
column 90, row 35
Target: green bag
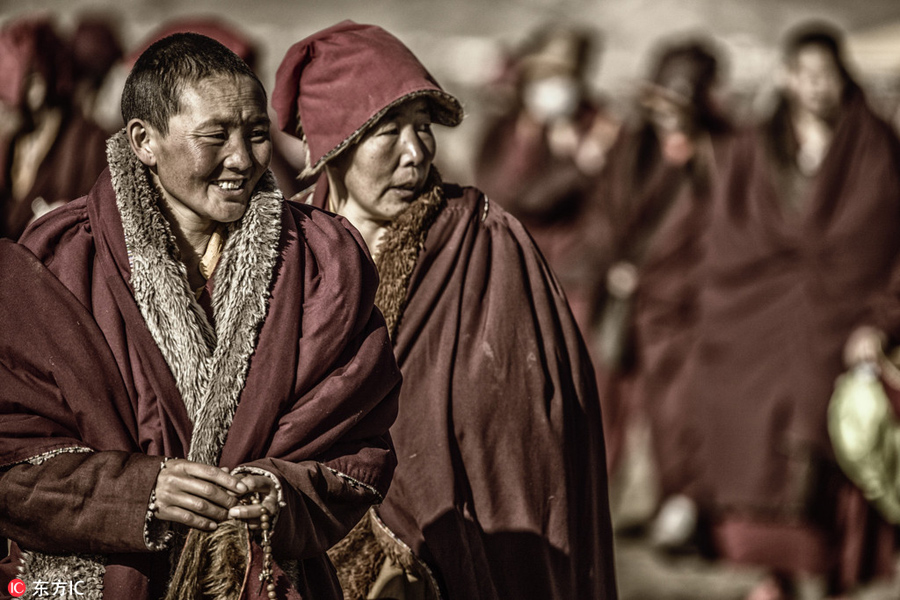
column 865, row 435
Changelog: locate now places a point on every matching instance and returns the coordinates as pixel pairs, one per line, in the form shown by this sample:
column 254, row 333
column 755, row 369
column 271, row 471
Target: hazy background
column 461, row 41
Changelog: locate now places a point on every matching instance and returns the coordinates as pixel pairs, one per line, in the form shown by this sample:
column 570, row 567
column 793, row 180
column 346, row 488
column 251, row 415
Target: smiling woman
column 208, row 163
column 182, row 264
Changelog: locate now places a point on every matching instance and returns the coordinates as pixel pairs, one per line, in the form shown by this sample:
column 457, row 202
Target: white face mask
column 552, row 98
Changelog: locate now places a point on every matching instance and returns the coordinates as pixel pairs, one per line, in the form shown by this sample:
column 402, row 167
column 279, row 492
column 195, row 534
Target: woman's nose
column 239, row 154
column 414, row 150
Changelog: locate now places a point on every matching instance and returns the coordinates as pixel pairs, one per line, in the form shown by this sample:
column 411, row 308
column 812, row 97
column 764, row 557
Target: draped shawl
column 783, row 289
column 293, row 376
column 501, row 483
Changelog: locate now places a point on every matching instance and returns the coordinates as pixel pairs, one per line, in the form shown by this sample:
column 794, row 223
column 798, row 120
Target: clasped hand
column 201, row 496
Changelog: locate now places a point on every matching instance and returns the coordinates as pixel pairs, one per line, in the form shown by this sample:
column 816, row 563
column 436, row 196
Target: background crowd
column 721, row 207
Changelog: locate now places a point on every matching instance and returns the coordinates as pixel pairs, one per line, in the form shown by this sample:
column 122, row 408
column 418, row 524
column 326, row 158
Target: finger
column 176, row 514
column 245, row 512
column 197, row 505
column 183, row 483
column 220, row 477
column 258, row 483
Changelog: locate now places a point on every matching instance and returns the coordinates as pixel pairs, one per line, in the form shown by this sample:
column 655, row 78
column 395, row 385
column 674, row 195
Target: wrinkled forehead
column 224, row 91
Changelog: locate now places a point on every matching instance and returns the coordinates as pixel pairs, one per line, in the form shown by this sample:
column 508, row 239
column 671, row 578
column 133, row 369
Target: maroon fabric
column 30, row 44
column 320, row 392
column 363, row 68
column 95, row 48
column 501, row 483
column 76, row 158
column 217, row 29
column 652, row 213
column 549, row 194
column 783, row 289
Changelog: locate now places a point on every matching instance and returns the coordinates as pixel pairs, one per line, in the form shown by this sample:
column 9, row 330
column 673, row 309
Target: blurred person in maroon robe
column 540, row 156
column 49, row 153
column 178, row 340
column 803, row 232
column 649, row 215
column 500, row 490
column 96, row 49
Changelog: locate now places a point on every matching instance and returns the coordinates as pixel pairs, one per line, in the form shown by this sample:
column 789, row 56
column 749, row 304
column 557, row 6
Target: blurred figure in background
column 95, row 49
column 540, row 157
column 802, row 233
column 49, row 153
column 652, row 205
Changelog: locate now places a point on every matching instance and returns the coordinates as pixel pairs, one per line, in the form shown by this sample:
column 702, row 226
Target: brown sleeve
column 79, row 502
column 320, row 506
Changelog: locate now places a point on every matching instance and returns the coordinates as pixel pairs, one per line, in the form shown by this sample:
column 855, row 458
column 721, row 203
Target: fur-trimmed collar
column 399, row 250
column 209, row 363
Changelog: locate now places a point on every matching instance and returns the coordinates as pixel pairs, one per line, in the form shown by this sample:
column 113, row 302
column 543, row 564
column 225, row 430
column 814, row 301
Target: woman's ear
column 141, row 137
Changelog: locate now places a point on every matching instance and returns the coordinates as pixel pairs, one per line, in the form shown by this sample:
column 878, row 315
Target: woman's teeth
column 230, row 185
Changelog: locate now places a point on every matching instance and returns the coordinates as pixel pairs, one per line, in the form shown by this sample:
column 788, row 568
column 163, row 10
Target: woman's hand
column 622, row 280
column 268, row 494
column 195, row 494
column 865, row 344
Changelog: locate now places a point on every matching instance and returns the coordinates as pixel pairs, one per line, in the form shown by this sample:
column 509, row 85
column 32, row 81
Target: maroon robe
column 549, row 194
column 501, row 482
column 652, row 214
column 784, row 287
column 317, row 399
column 70, row 168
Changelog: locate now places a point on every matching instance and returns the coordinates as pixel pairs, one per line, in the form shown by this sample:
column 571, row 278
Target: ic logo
column 16, row 588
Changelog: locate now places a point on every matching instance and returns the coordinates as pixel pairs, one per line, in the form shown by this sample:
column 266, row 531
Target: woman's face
column 386, row 170
column 815, row 82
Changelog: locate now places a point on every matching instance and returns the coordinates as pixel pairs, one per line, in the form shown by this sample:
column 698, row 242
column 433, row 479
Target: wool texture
column 400, row 247
column 209, row 363
column 359, row 555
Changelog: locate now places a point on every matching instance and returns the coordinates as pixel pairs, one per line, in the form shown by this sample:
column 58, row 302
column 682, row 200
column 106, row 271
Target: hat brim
column 445, row 110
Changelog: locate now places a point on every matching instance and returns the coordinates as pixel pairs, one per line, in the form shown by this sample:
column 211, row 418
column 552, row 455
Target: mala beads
column 266, row 576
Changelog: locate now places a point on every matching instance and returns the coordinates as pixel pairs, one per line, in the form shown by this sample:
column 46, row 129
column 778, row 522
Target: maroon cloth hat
column 332, row 86
column 31, row 45
column 95, row 47
column 211, row 27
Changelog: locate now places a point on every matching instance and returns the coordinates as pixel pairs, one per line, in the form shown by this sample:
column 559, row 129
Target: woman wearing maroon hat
column 501, row 486
column 49, row 153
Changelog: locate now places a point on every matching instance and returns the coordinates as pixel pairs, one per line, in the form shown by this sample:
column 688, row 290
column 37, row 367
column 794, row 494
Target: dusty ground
column 645, row 574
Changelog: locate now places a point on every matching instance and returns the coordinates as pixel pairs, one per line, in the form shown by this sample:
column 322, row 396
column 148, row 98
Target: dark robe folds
column 108, row 364
column 786, row 282
column 68, row 171
column 501, row 483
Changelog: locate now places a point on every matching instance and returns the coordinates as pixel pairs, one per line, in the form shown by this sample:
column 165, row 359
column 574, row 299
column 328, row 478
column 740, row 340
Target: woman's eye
column 216, row 135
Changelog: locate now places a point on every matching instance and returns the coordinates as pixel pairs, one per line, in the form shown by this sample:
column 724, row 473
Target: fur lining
column 84, row 570
column 359, row 556
column 209, row 364
column 213, row 565
column 399, row 250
